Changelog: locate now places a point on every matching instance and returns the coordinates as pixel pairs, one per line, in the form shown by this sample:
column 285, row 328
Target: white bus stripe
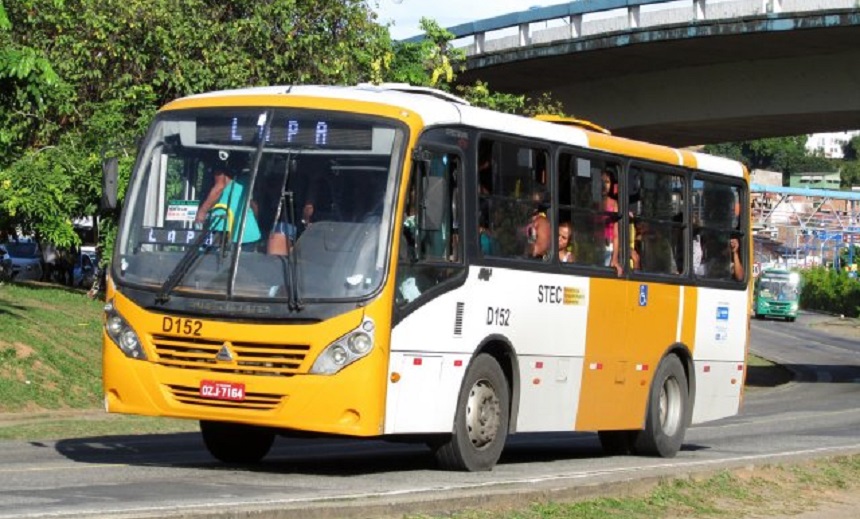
column 680, row 313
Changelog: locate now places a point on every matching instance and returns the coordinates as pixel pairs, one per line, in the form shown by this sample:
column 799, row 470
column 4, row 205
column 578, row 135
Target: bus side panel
column 630, row 325
column 541, row 316
column 549, row 394
column 420, row 400
column 721, row 338
column 688, row 323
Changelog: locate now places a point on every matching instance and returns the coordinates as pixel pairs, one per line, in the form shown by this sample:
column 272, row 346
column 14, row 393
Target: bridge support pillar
column 525, row 40
column 633, row 17
column 772, row 6
column 699, row 10
column 576, row 26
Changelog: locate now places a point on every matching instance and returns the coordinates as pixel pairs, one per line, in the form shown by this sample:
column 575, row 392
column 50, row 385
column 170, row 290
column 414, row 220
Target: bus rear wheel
column 668, row 411
column 236, row 443
column 481, row 420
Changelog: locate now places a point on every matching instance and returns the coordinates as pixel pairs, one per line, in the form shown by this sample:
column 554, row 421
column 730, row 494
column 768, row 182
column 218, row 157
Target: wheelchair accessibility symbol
column 643, row 295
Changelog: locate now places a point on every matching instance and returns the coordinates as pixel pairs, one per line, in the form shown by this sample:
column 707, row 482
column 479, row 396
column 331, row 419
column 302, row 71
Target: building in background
column 830, row 144
column 815, row 180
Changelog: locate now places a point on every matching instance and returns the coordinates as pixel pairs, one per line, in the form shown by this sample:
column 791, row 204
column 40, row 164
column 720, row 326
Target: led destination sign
column 318, row 132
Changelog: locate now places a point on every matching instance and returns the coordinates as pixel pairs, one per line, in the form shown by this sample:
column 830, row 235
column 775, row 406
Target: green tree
column 785, row 154
column 851, row 149
column 849, row 173
column 849, row 167
column 116, row 61
column 434, row 62
column 431, row 62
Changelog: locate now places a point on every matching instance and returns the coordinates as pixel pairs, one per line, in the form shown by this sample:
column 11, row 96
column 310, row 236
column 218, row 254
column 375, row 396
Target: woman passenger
column 609, row 206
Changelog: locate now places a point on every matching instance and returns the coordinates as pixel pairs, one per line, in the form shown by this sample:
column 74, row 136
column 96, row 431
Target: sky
column 407, row 13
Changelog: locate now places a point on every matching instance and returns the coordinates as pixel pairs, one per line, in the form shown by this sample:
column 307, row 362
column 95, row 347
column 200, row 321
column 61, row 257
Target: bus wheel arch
column 669, row 407
column 483, row 412
column 499, row 347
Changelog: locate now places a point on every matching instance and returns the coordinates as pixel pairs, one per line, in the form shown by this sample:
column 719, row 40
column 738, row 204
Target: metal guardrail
column 584, row 18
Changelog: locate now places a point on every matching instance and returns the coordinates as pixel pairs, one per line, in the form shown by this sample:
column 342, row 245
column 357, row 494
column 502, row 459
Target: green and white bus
column 777, row 294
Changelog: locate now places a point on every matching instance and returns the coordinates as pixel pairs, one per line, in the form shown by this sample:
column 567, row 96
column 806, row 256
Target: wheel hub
column 482, row 414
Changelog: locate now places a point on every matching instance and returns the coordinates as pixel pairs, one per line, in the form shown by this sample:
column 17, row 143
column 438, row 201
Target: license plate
column 222, row 390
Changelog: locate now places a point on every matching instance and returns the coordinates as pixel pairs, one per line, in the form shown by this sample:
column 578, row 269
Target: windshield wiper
column 286, row 207
column 192, row 254
column 292, row 260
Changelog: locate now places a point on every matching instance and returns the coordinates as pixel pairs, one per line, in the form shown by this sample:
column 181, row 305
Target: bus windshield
column 253, row 203
column 779, row 286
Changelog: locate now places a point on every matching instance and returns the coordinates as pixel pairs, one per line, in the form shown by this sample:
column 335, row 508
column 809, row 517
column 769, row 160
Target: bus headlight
column 122, row 334
column 359, row 343
column 346, row 350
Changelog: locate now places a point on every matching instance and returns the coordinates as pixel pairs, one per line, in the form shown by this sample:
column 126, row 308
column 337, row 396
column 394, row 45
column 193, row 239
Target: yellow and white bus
column 373, row 261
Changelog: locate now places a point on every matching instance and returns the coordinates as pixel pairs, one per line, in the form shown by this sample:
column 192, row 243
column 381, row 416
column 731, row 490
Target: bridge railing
column 586, row 18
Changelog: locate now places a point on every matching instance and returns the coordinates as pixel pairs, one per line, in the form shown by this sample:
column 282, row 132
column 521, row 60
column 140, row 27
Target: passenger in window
column 698, row 254
column 722, row 260
column 737, row 262
column 538, row 230
column 487, row 242
column 565, row 244
column 654, row 250
column 223, row 204
column 609, row 206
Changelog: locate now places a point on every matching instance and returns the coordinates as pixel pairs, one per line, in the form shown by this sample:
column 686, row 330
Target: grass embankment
column 780, row 490
column 50, row 368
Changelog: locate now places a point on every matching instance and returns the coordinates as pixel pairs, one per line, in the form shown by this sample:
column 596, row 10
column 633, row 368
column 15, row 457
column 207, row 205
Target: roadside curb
column 495, row 497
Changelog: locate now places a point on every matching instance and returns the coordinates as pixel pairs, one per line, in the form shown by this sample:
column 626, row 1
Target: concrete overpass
column 680, row 72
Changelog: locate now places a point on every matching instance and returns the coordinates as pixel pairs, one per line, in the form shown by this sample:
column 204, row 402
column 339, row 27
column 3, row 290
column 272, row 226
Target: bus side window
column 517, row 202
column 718, row 208
column 429, row 245
column 658, row 215
column 591, row 207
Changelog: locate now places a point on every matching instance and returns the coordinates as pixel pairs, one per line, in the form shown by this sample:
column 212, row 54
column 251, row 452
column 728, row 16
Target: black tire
column 481, row 420
column 617, row 443
column 668, row 412
column 236, row 443
column 790, row 319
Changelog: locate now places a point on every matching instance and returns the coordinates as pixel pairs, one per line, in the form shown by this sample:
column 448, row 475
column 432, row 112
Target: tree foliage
column 434, row 62
column 851, row 149
column 79, row 78
column 785, row 154
column 430, row 62
column 831, row 291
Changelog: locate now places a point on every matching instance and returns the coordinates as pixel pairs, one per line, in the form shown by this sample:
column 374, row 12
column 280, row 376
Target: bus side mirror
column 110, row 173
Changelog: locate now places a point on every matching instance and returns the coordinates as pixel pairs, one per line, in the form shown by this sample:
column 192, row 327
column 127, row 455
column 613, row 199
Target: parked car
column 5, row 265
column 26, row 259
column 86, row 267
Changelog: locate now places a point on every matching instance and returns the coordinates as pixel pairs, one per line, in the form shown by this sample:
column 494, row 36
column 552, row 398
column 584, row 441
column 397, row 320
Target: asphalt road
column 172, row 475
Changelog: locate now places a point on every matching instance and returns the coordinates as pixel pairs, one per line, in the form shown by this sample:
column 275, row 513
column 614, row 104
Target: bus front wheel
column 236, row 443
column 668, row 411
column 481, row 419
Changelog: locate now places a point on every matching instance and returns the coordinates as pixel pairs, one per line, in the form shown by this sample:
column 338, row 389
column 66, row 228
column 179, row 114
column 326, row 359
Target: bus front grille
column 244, row 358
column 257, row 401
